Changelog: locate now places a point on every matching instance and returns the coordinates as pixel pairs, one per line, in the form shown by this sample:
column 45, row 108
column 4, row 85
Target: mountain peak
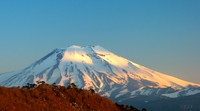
column 86, row 50
column 75, row 46
column 97, row 68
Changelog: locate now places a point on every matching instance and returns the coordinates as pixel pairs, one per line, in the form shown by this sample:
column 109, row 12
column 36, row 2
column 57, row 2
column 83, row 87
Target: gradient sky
column 163, row 35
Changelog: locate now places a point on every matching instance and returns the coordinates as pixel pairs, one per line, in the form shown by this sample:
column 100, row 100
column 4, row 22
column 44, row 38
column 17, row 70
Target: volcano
column 108, row 74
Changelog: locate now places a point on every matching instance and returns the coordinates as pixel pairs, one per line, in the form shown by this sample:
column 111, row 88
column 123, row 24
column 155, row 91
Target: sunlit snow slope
column 95, row 67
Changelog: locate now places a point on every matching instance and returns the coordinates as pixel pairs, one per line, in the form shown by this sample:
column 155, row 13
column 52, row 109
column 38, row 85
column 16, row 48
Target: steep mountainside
column 95, row 67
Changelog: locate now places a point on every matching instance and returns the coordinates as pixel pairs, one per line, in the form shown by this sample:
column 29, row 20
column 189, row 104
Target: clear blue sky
column 163, row 35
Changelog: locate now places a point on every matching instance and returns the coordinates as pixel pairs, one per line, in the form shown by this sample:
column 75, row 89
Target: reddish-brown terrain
column 45, row 97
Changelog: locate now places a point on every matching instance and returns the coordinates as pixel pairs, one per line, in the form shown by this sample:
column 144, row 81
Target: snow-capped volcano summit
column 95, row 67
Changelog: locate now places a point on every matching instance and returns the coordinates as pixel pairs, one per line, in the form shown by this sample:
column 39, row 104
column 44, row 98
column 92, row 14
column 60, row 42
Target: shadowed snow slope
column 95, row 67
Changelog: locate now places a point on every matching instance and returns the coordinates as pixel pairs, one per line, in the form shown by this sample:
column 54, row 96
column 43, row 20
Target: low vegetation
column 52, row 97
